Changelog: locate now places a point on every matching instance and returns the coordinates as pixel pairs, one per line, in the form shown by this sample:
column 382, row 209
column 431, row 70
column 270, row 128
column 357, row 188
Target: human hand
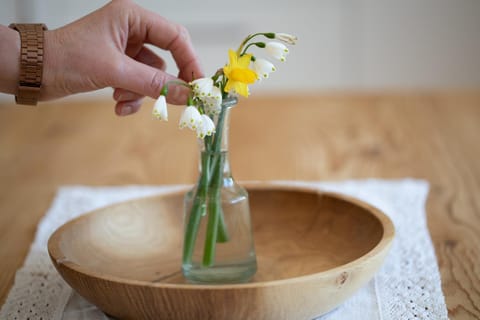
column 107, row 49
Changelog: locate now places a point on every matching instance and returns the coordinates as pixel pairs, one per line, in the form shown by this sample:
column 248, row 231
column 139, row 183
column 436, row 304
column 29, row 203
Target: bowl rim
column 382, row 246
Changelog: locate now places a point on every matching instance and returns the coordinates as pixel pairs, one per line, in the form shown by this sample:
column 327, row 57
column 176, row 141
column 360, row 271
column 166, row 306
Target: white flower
column 263, row 68
column 202, row 87
column 190, row 118
column 213, row 101
column 160, row 109
column 285, row 37
column 277, row 50
column 207, row 128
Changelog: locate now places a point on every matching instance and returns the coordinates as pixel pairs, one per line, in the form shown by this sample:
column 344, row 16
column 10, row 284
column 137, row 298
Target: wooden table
column 305, row 137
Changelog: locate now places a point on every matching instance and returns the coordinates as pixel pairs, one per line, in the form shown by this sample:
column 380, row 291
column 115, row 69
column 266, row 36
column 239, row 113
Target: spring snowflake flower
column 204, row 104
column 202, row 87
column 207, row 127
column 160, row 111
column 213, row 101
column 277, row 50
column 238, row 74
column 190, row 118
column 263, row 68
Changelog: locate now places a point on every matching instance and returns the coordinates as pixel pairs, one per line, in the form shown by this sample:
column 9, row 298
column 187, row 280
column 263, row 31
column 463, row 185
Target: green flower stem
column 222, row 235
column 217, row 168
column 258, row 44
column 215, row 210
column 215, row 205
column 269, row 35
column 196, row 212
column 208, row 195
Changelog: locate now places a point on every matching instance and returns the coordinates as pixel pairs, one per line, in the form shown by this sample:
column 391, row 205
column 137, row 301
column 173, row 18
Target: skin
column 107, row 49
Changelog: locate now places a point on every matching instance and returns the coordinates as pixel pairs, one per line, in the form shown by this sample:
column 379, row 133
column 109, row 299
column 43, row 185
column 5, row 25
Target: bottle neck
column 212, row 161
column 214, row 149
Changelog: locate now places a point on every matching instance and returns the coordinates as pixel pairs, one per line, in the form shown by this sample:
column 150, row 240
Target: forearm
column 106, row 49
column 9, row 59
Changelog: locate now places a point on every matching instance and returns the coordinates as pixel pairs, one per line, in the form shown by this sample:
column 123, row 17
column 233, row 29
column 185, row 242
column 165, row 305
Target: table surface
column 432, row 136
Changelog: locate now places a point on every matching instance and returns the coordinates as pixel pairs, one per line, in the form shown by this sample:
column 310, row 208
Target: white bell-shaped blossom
column 190, row 118
column 202, row 87
column 263, row 68
column 207, row 127
column 160, row 109
column 277, row 50
column 213, row 101
column 285, row 37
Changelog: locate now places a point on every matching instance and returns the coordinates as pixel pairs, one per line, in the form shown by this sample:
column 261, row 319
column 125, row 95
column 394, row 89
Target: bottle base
column 223, row 274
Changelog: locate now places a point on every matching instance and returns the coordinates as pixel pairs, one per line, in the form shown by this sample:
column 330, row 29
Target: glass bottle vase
column 218, row 241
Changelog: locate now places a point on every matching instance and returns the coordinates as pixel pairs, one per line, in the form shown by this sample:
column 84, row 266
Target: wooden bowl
column 314, row 249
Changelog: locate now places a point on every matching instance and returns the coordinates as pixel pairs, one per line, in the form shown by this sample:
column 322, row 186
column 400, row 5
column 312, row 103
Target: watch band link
column 31, row 62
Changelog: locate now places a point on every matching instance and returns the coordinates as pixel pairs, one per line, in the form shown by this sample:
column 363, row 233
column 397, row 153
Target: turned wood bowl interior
column 299, row 234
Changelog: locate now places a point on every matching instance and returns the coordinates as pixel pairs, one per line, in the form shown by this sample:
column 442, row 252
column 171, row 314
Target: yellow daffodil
column 238, row 74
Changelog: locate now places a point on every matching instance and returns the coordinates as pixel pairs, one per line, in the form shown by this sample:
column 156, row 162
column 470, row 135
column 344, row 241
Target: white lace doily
column 406, row 287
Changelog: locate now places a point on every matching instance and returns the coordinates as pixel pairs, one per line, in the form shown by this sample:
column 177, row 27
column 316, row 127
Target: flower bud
column 285, row 37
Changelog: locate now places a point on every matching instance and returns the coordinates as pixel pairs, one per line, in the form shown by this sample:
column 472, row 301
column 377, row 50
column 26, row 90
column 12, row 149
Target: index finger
column 167, row 35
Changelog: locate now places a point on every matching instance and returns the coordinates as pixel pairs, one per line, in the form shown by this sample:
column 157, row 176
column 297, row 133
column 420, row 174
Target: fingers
column 120, row 95
column 147, row 81
column 169, row 36
column 124, row 108
column 146, row 56
column 127, row 99
column 141, row 72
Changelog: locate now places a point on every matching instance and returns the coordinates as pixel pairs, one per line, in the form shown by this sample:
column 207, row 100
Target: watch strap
column 31, row 61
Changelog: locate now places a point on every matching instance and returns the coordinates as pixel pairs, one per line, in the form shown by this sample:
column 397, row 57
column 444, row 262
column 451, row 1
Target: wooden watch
column 31, row 61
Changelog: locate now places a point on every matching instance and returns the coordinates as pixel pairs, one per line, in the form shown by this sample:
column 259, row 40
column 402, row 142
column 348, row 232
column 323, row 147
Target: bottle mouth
column 229, row 102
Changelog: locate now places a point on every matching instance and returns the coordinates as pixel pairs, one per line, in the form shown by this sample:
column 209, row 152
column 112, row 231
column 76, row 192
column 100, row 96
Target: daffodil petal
column 238, row 73
column 245, row 60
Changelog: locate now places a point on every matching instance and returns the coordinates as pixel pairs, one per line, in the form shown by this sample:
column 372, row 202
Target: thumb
column 148, row 81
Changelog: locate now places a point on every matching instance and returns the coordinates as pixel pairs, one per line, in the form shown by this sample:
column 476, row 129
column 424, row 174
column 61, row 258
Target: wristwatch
column 31, row 61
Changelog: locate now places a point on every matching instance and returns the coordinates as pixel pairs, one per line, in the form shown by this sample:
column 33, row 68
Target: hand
column 107, row 49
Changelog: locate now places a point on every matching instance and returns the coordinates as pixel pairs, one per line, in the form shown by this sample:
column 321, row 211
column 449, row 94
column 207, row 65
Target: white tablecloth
column 407, row 286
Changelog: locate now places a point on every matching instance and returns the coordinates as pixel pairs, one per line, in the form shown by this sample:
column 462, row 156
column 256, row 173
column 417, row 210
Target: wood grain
column 125, row 258
column 433, row 136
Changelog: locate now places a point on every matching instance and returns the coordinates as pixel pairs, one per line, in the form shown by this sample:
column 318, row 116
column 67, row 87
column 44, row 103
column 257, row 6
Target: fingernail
column 126, row 110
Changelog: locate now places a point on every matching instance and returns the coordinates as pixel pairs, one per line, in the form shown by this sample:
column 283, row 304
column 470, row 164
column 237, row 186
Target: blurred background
column 362, row 45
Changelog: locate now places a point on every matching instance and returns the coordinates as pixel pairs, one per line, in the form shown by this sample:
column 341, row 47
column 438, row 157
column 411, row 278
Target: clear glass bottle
column 218, row 244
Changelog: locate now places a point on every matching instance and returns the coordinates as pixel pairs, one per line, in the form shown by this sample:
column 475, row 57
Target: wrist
column 9, row 60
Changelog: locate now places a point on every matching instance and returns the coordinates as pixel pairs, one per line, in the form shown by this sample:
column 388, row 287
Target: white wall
column 359, row 45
